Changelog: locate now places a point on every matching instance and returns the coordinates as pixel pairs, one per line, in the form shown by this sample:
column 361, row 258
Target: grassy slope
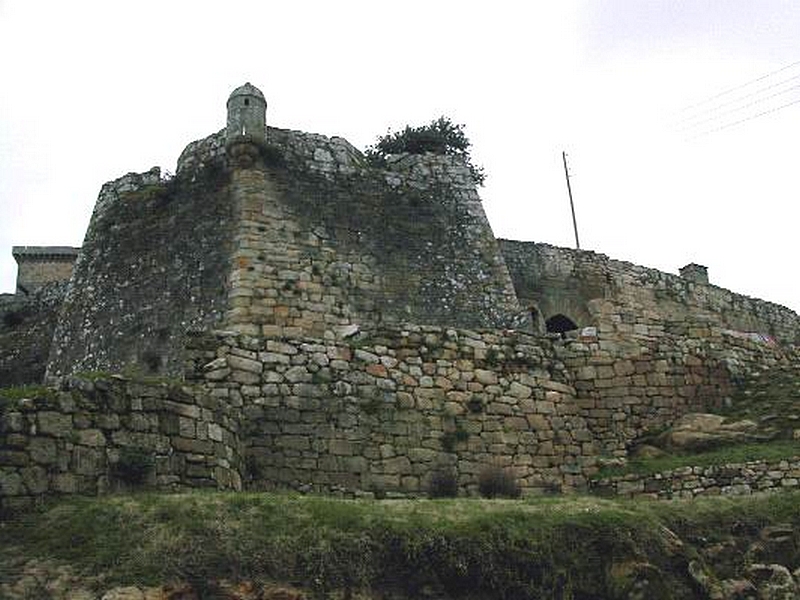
column 572, row 547
column 768, row 451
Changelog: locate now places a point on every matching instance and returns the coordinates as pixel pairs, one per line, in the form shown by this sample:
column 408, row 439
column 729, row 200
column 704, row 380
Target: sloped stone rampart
column 75, row 440
column 324, row 240
column 27, row 324
column 154, row 262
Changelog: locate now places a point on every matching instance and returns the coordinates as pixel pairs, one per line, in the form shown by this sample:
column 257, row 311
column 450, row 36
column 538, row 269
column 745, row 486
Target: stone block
column 297, row 374
column 485, row 377
column 13, row 458
column 87, row 461
column 34, row 479
column 191, row 445
column 10, row 483
column 519, row 391
column 91, row 437
column 16, row 441
column 355, row 464
column 186, row 410
column 341, row 447
column 215, row 432
column 186, row 427
column 66, row 483
column 424, row 455
column 55, row 424
column 515, row 424
column 365, row 356
column 217, row 374
column 108, row 421
column 12, row 421
column 293, row 442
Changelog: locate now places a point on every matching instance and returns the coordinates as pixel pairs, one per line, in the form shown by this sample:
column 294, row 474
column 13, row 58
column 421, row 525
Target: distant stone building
column 40, row 265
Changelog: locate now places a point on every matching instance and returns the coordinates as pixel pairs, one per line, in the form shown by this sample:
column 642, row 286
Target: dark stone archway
column 560, row 324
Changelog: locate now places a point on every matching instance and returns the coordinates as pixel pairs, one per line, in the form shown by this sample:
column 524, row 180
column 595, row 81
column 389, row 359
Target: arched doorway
column 560, row 324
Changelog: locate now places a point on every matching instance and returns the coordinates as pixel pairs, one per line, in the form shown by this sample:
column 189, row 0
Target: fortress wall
column 323, row 240
column 89, row 438
column 624, row 298
column 379, row 413
column 289, row 277
column 383, row 412
column 154, row 263
column 26, row 330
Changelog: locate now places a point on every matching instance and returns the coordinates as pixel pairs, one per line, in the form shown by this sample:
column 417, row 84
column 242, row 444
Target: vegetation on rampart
column 440, row 136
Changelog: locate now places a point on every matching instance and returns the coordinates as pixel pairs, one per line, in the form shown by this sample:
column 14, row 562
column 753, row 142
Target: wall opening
column 247, row 101
column 560, row 324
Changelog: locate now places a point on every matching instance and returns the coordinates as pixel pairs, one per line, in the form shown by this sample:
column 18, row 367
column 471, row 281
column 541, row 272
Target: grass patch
column 771, row 398
column 769, row 451
column 93, row 376
column 23, row 391
column 330, row 544
column 543, row 547
column 19, row 392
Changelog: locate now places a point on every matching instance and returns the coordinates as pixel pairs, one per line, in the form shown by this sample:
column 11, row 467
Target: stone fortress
column 283, row 314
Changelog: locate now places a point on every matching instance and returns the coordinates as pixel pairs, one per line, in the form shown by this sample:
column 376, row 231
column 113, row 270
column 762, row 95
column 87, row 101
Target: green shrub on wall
column 440, row 136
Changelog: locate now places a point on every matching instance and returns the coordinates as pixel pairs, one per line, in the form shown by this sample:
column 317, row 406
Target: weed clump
column 443, row 484
column 496, row 482
column 133, row 465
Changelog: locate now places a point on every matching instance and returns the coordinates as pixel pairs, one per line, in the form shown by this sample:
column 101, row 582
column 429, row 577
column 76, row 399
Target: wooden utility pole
column 571, row 203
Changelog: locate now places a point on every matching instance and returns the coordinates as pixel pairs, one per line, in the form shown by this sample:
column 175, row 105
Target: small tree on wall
column 441, row 136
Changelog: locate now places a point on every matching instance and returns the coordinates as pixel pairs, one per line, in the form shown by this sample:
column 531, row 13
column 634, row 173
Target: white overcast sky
column 92, row 90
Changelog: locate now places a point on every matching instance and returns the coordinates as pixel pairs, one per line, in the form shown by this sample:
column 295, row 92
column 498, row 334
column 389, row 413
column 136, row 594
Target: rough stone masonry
column 331, row 325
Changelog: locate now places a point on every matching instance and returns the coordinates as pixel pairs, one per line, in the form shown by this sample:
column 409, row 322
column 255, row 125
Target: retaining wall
column 376, row 414
column 384, row 411
column 85, row 438
column 690, row 482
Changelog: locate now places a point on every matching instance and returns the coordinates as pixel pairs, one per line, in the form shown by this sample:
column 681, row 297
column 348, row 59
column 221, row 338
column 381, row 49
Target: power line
column 761, row 114
column 736, row 100
column 733, row 89
column 738, row 108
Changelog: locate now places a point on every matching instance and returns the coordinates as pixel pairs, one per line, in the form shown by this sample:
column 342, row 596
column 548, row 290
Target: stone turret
column 247, row 114
column 694, row 272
